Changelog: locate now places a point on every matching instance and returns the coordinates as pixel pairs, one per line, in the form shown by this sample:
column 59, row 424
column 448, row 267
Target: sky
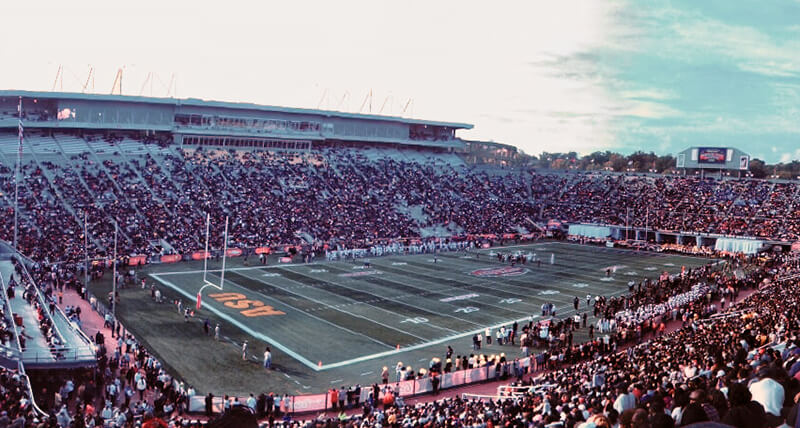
column 556, row 76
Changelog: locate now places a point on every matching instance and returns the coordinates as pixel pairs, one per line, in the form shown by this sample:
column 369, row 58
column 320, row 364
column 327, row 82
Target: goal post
column 206, row 256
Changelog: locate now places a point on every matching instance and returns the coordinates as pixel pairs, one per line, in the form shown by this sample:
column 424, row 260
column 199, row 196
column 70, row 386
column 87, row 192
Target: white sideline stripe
column 567, row 309
column 335, row 308
column 281, row 303
column 310, row 364
column 444, row 339
column 243, row 327
column 242, row 268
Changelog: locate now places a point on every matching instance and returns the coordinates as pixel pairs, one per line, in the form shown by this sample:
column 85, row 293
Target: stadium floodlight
column 206, row 256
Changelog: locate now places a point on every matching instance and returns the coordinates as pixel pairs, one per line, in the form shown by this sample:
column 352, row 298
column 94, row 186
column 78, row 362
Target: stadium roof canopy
column 194, row 102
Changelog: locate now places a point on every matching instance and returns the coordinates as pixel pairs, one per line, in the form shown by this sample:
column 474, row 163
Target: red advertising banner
column 234, row 252
column 200, row 255
column 509, row 235
column 285, row 260
column 137, row 260
column 263, row 250
column 309, row 403
column 172, row 258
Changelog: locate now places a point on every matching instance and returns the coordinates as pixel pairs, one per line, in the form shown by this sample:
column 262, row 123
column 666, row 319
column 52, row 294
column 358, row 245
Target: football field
column 334, row 314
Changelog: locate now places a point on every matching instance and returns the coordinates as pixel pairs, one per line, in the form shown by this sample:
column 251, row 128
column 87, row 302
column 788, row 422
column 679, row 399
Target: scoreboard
column 728, row 158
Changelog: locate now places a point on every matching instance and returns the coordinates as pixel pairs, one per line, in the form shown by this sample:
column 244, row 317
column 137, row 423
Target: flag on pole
column 199, row 300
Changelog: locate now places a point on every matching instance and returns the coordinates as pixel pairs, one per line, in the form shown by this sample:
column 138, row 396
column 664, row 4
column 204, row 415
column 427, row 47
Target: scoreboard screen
column 711, row 155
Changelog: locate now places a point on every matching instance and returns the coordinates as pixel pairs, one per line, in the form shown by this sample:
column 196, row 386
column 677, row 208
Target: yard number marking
column 250, row 308
column 415, row 320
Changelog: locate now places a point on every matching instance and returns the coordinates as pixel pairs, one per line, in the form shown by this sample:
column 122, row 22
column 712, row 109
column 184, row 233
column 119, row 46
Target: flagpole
column 114, row 280
column 86, row 249
column 205, row 257
column 16, row 175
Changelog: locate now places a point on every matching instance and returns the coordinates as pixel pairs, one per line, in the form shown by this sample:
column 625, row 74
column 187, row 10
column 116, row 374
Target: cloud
column 650, row 94
column 790, row 156
column 695, row 38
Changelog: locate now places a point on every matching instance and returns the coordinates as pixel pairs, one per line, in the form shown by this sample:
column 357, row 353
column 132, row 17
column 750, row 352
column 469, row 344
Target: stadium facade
column 200, row 122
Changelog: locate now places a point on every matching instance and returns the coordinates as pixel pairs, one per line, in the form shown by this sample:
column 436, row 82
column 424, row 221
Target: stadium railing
column 87, row 342
column 43, row 302
column 28, row 384
column 8, row 305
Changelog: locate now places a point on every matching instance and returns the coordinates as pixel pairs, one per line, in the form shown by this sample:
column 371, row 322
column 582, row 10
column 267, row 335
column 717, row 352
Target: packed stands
column 160, row 194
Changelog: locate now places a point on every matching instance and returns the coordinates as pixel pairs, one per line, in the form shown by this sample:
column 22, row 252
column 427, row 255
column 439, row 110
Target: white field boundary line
column 482, row 250
column 352, row 302
column 450, row 290
column 540, row 275
column 363, row 358
column 394, row 299
column 304, row 313
column 333, row 307
column 310, row 364
column 306, row 362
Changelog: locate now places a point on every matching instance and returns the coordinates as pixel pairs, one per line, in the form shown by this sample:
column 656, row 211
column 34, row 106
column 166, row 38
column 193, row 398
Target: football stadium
column 184, row 262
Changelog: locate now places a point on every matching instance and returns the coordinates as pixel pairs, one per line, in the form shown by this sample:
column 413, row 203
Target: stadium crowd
column 716, row 367
column 740, row 367
column 348, row 199
column 570, row 384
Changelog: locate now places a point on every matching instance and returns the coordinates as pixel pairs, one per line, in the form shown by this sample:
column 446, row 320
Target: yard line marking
column 367, row 373
column 451, row 289
column 310, row 315
column 563, row 310
column 337, row 380
column 406, row 304
column 237, row 323
column 336, row 307
column 566, row 310
column 471, row 282
column 395, row 299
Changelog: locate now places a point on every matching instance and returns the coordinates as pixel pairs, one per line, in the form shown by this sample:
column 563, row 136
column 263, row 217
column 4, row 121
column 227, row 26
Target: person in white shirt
column 251, row 402
column 625, row 400
column 768, row 392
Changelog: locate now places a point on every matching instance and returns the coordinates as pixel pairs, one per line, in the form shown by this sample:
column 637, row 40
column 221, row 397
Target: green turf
column 341, row 321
